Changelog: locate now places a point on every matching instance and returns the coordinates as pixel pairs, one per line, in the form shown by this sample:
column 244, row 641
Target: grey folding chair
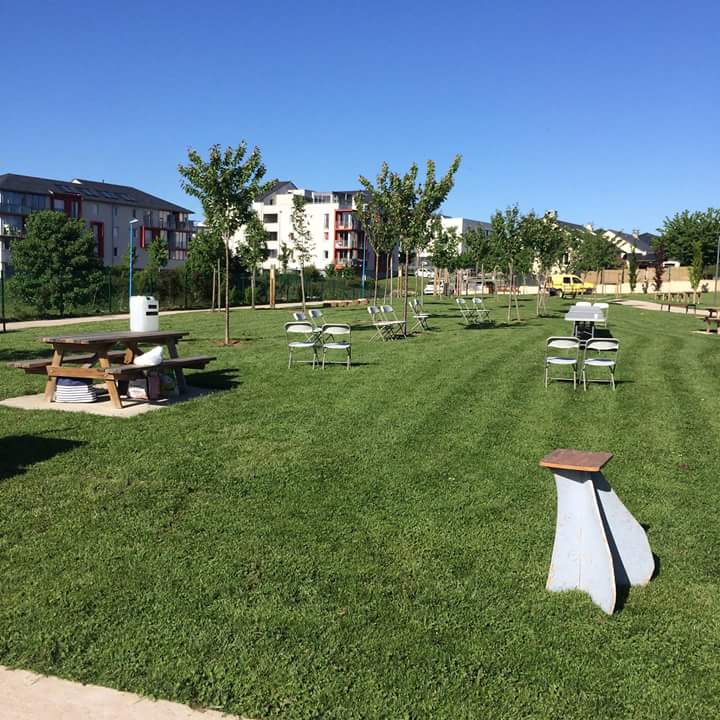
column 481, row 312
column 330, row 333
column 293, row 330
column 382, row 327
column 299, row 316
column 569, row 358
column 600, row 353
column 468, row 315
column 317, row 318
column 419, row 316
column 396, row 325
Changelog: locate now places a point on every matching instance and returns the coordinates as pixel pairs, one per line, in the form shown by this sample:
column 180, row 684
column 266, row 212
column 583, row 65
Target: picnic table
column 76, row 356
column 684, row 299
column 712, row 318
column 584, row 319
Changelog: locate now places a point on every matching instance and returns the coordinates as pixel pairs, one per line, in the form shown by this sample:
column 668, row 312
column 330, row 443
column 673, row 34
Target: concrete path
column 27, row 696
column 25, row 324
column 647, row 305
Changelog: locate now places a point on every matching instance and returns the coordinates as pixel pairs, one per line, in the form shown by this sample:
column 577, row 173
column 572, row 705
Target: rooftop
column 88, row 190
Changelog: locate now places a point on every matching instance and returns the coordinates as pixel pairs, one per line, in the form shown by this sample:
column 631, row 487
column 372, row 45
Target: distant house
column 107, row 209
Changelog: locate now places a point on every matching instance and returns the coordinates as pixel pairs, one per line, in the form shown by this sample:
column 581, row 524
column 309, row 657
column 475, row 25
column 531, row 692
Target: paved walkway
column 27, row 696
column 25, row 324
column 647, row 305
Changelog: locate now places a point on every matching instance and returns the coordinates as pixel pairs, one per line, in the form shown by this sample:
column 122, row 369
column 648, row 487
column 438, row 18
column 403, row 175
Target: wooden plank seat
column 38, row 367
column 711, row 320
column 199, row 361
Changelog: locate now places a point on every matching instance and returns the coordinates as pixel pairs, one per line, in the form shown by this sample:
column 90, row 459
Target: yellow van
column 568, row 285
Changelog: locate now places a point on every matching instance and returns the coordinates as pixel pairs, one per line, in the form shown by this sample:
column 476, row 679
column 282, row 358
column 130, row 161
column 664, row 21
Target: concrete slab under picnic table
column 103, row 405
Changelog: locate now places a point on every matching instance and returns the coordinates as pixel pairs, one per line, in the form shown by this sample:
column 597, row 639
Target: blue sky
column 607, row 112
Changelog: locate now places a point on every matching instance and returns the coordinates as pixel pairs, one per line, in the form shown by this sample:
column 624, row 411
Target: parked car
column 425, row 273
column 568, row 285
column 430, row 288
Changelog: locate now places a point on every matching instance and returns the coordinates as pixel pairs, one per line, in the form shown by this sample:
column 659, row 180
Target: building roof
column 281, row 186
column 91, row 190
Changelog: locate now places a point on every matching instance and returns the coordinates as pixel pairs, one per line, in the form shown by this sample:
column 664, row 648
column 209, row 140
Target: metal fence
column 179, row 289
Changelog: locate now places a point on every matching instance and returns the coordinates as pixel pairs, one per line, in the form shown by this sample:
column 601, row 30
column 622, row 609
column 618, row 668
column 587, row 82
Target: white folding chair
column 419, row 316
column 468, row 315
column 583, row 303
column 330, row 332
column 600, row 353
column 309, row 341
column 397, row 326
column 569, row 358
column 605, row 307
column 317, row 318
column 299, row 316
column 481, row 312
column 382, row 328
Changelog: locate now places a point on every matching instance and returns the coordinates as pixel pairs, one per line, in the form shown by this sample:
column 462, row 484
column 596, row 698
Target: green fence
column 178, row 289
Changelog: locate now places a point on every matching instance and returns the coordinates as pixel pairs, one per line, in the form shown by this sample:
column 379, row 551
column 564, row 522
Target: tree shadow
column 11, row 356
column 225, row 379
column 18, row 452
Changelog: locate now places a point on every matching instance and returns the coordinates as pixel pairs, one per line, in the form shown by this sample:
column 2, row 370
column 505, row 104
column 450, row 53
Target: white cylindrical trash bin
column 144, row 313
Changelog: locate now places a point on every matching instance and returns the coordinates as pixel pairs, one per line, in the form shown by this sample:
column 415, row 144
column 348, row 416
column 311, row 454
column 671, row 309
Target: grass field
column 371, row 543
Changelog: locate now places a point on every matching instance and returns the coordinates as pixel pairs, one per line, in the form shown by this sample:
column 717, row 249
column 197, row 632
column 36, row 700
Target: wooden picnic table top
column 115, row 337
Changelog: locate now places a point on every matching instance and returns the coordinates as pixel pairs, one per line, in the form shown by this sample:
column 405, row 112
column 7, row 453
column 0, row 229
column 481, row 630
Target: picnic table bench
column 712, row 318
column 114, row 365
column 682, row 299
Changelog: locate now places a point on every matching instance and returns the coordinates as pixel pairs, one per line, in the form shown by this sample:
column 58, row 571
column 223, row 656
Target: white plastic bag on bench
column 150, row 358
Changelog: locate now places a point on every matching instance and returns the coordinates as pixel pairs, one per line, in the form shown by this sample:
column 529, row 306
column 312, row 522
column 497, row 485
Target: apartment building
column 460, row 225
column 336, row 235
column 107, row 209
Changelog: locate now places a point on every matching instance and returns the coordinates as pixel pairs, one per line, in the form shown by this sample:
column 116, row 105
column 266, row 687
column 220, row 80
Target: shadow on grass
column 226, row 379
column 18, row 452
column 10, row 356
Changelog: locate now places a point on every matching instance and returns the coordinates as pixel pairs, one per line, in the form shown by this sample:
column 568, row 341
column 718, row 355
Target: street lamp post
column 133, row 223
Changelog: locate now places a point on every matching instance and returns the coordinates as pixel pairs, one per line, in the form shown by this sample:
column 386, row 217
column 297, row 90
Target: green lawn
column 371, row 543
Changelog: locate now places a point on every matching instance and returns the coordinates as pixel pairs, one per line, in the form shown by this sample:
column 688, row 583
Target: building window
column 134, row 212
column 326, row 221
column 272, row 253
column 327, row 236
column 327, row 254
column 114, row 252
column 58, row 204
column 115, row 233
column 115, row 211
column 270, row 218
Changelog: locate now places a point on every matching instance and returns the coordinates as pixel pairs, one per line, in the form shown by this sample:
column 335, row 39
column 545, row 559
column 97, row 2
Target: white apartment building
column 460, row 225
column 336, row 236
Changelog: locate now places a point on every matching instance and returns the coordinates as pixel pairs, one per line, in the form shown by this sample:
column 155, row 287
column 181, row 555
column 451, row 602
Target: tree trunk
column 252, row 289
column 377, row 264
column 212, row 299
column 302, row 286
column 227, row 290
column 510, row 280
column 405, row 292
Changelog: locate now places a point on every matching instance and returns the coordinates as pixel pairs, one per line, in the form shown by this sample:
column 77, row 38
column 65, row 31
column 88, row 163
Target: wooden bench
column 710, row 320
column 199, row 361
column 38, row 367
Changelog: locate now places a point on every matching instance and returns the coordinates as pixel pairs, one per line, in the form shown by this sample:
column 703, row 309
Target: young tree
column 372, row 212
column 302, row 240
column 254, row 250
column 592, row 251
column 204, row 255
column 226, row 185
column 659, row 264
column 632, row 271
column 507, row 237
column 56, row 265
column 444, row 250
column 158, row 258
column 548, row 242
column 697, row 266
column 285, row 256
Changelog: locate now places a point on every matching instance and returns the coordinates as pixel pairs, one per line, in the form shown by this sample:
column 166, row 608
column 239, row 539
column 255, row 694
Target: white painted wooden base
column 599, row 546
